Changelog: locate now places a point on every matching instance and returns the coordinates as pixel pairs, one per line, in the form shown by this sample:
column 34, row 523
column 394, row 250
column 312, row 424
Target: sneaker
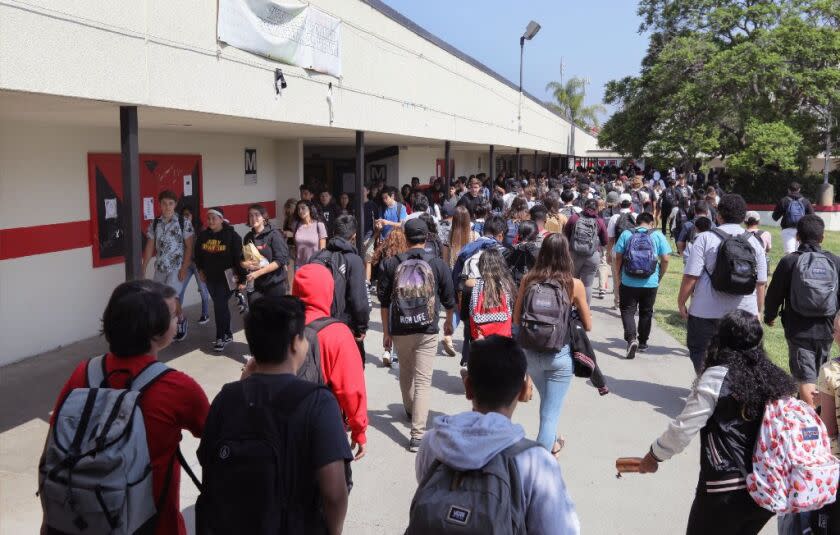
column 203, row 319
column 414, row 445
column 631, row 349
column 228, row 338
column 181, row 333
column 448, row 346
column 600, row 294
column 219, row 344
column 386, row 358
column 643, row 348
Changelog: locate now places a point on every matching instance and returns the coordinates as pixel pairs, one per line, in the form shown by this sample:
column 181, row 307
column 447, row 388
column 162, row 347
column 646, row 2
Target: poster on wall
column 283, row 30
column 440, row 165
column 158, row 172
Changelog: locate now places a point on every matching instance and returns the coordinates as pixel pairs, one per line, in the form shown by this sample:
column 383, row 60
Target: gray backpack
column 95, row 475
column 486, row 501
column 813, row 286
column 585, row 236
column 546, row 310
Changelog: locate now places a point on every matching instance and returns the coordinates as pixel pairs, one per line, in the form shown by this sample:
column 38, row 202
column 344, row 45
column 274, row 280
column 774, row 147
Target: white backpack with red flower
column 793, row 468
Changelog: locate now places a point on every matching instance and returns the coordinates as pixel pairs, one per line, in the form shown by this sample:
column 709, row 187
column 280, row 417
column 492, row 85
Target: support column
column 447, row 146
column 518, row 165
column 492, row 163
column 535, row 170
column 130, row 150
column 360, row 187
column 549, row 165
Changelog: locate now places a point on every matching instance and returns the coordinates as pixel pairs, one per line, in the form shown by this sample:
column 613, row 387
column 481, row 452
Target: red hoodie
column 340, row 360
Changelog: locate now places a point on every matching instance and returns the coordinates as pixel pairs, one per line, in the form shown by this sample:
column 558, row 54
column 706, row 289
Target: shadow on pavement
column 667, row 400
column 391, row 422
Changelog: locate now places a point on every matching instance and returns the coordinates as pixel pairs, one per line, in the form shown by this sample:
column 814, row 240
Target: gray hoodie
column 468, row 441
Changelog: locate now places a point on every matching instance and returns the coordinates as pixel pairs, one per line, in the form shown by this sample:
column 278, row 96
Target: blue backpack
column 795, row 211
column 640, row 258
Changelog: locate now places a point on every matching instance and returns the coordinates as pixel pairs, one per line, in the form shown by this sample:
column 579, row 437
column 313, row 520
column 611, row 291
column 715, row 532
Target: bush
column 769, row 187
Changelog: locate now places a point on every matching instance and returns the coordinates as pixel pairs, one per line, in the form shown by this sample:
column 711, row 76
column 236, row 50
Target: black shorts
column 806, row 356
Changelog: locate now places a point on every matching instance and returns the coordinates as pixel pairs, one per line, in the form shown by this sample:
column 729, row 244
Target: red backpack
column 484, row 320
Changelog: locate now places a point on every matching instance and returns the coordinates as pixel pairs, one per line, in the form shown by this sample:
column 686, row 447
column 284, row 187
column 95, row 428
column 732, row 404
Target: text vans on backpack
column 96, row 473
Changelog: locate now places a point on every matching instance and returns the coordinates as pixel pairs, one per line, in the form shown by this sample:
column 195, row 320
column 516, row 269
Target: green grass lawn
column 668, row 317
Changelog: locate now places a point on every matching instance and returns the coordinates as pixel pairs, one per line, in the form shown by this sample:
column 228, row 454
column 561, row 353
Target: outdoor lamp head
column 279, row 81
column 532, row 30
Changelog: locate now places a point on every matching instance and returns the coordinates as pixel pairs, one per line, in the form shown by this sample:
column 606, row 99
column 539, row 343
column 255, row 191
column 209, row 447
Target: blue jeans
column 552, row 375
column 202, row 290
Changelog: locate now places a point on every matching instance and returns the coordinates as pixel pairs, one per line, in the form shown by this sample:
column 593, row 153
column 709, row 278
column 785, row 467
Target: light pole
column 530, row 31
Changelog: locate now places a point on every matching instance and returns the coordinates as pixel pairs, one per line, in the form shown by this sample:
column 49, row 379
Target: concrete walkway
column 645, row 394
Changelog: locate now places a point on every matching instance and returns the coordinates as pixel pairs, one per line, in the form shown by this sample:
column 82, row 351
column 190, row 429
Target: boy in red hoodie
column 343, row 372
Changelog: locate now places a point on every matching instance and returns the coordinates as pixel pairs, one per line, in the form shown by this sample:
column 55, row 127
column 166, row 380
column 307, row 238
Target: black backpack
column 522, row 259
column 311, row 368
column 249, row 471
column 337, row 264
column 736, row 269
column 669, row 199
column 625, row 221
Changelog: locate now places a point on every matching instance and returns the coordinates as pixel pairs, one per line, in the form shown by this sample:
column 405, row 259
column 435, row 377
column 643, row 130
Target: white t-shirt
column 706, row 302
column 612, row 222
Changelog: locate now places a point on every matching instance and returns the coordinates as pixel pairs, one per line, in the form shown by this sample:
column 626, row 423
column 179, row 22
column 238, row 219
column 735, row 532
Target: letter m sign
column 250, row 166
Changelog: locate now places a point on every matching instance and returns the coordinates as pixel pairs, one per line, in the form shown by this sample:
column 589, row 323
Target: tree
column 730, row 78
column 569, row 102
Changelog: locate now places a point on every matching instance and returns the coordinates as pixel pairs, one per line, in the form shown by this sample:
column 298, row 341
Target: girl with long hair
column 737, row 380
column 552, row 371
column 517, row 213
column 310, row 232
column 490, row 300
column 393, row 245
column 461, row 235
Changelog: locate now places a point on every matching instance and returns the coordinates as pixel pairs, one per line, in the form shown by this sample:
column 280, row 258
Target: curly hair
column 393, row 245
column 753, row 379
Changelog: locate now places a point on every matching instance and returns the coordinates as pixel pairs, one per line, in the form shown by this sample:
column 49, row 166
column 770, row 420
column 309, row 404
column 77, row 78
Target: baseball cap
column 625, row 197
column 612, row 197
column 752, row 215
column 415, row 230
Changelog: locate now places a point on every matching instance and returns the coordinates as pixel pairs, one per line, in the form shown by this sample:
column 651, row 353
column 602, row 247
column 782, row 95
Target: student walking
column 218, row 255
column 296, row 478
column 170, row 241
column 726, row 270
column 789, row 210
column 495, row 381
column 350, row 298
column 268, row 277
column 491, row 299
column 139, row 322
column 587, row 234
column 412, row 287
column 725, row 406
column 805, row 288
column 338, row 366
column 187, row 214
column 641, row 256
column 544, row 332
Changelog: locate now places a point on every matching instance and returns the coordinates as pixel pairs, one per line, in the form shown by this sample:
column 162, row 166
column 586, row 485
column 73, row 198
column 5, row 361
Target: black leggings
column 278, row 290
column 726, row 513
column 220, row 293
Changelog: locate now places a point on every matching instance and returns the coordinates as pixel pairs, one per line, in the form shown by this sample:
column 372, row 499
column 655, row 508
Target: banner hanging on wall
column 286, row 31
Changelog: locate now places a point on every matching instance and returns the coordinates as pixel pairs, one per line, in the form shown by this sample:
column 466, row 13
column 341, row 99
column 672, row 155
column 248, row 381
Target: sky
column 596, row 39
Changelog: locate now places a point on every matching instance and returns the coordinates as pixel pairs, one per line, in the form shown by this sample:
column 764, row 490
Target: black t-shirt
column 316, row 431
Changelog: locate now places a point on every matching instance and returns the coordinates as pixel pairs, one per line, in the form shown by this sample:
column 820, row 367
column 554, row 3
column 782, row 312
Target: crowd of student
column 517, row 261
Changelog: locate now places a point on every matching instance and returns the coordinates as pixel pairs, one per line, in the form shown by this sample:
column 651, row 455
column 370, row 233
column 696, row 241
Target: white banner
column 285, row 31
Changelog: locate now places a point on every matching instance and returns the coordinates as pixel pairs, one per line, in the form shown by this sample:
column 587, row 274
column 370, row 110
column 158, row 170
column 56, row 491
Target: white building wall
column 165, row 54
column 44, row 180
column 417, row 161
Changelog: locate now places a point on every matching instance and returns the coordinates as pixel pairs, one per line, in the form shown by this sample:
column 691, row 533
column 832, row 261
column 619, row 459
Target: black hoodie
column 217, row 251
column 356, row 312
column 272, row 245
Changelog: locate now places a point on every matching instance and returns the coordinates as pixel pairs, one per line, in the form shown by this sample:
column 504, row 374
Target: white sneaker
column 386, row 358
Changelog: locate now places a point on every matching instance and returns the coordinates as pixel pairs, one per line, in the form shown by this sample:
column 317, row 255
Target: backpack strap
column 318, row 324
column 151, row 373
column 96, row 371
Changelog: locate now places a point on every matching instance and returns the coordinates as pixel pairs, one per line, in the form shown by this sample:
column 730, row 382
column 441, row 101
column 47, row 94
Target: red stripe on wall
column 43, row 239
column 28, row 241
column 238, row 213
